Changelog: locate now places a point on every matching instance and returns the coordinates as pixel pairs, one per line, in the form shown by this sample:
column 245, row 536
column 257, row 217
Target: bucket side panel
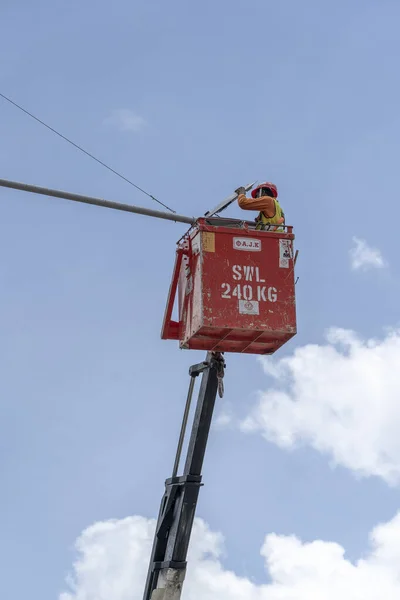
column 248, row 283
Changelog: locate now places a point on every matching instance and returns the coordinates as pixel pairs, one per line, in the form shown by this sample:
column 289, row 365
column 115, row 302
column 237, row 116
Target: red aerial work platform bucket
column 236, row 288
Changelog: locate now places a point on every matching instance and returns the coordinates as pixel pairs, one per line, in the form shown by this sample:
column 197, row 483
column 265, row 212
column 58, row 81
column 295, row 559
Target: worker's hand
column 240, row 190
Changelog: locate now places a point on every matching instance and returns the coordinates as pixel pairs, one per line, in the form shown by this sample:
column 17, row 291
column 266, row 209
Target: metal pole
column 184, row 425
column 35, row 189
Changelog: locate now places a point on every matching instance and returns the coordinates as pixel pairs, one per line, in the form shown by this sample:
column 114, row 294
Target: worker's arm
column 264, row 204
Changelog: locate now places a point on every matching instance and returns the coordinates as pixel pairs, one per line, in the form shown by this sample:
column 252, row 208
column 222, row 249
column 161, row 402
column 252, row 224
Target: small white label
column 285, row 253
column 249, row 307
column 245, row 243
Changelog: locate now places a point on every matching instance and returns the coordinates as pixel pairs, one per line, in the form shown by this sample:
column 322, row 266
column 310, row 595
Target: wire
column 85, row 152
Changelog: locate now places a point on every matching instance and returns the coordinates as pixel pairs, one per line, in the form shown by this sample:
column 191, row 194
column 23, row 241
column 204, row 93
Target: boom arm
column 167, row 566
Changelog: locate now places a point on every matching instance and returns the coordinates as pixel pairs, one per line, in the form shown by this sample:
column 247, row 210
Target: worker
column 264, row 199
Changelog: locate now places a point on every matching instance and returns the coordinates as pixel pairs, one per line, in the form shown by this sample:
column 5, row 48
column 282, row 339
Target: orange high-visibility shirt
column 264, row 204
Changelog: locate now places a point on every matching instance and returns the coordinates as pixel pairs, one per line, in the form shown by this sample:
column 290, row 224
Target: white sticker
column 249, row 307
column 285, row 253
column 245, row 243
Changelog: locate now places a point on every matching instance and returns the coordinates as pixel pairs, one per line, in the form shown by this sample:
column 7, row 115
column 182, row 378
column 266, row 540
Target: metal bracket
column 173, row 485
column 196, row 370
column 170, row 564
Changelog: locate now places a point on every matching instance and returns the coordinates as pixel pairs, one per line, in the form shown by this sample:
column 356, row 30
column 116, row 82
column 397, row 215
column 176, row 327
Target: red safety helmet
column 266, row 184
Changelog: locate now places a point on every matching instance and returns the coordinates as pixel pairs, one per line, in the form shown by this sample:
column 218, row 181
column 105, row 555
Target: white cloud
column 225, row 418
column 113, row 557
column 341, row 398
column 364, row 257
column 126, row 120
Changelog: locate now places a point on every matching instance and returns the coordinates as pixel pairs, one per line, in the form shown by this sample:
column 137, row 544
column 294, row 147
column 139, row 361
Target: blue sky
column 213, row 95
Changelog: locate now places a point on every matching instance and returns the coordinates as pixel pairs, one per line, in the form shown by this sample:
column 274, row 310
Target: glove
column 240, row 190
